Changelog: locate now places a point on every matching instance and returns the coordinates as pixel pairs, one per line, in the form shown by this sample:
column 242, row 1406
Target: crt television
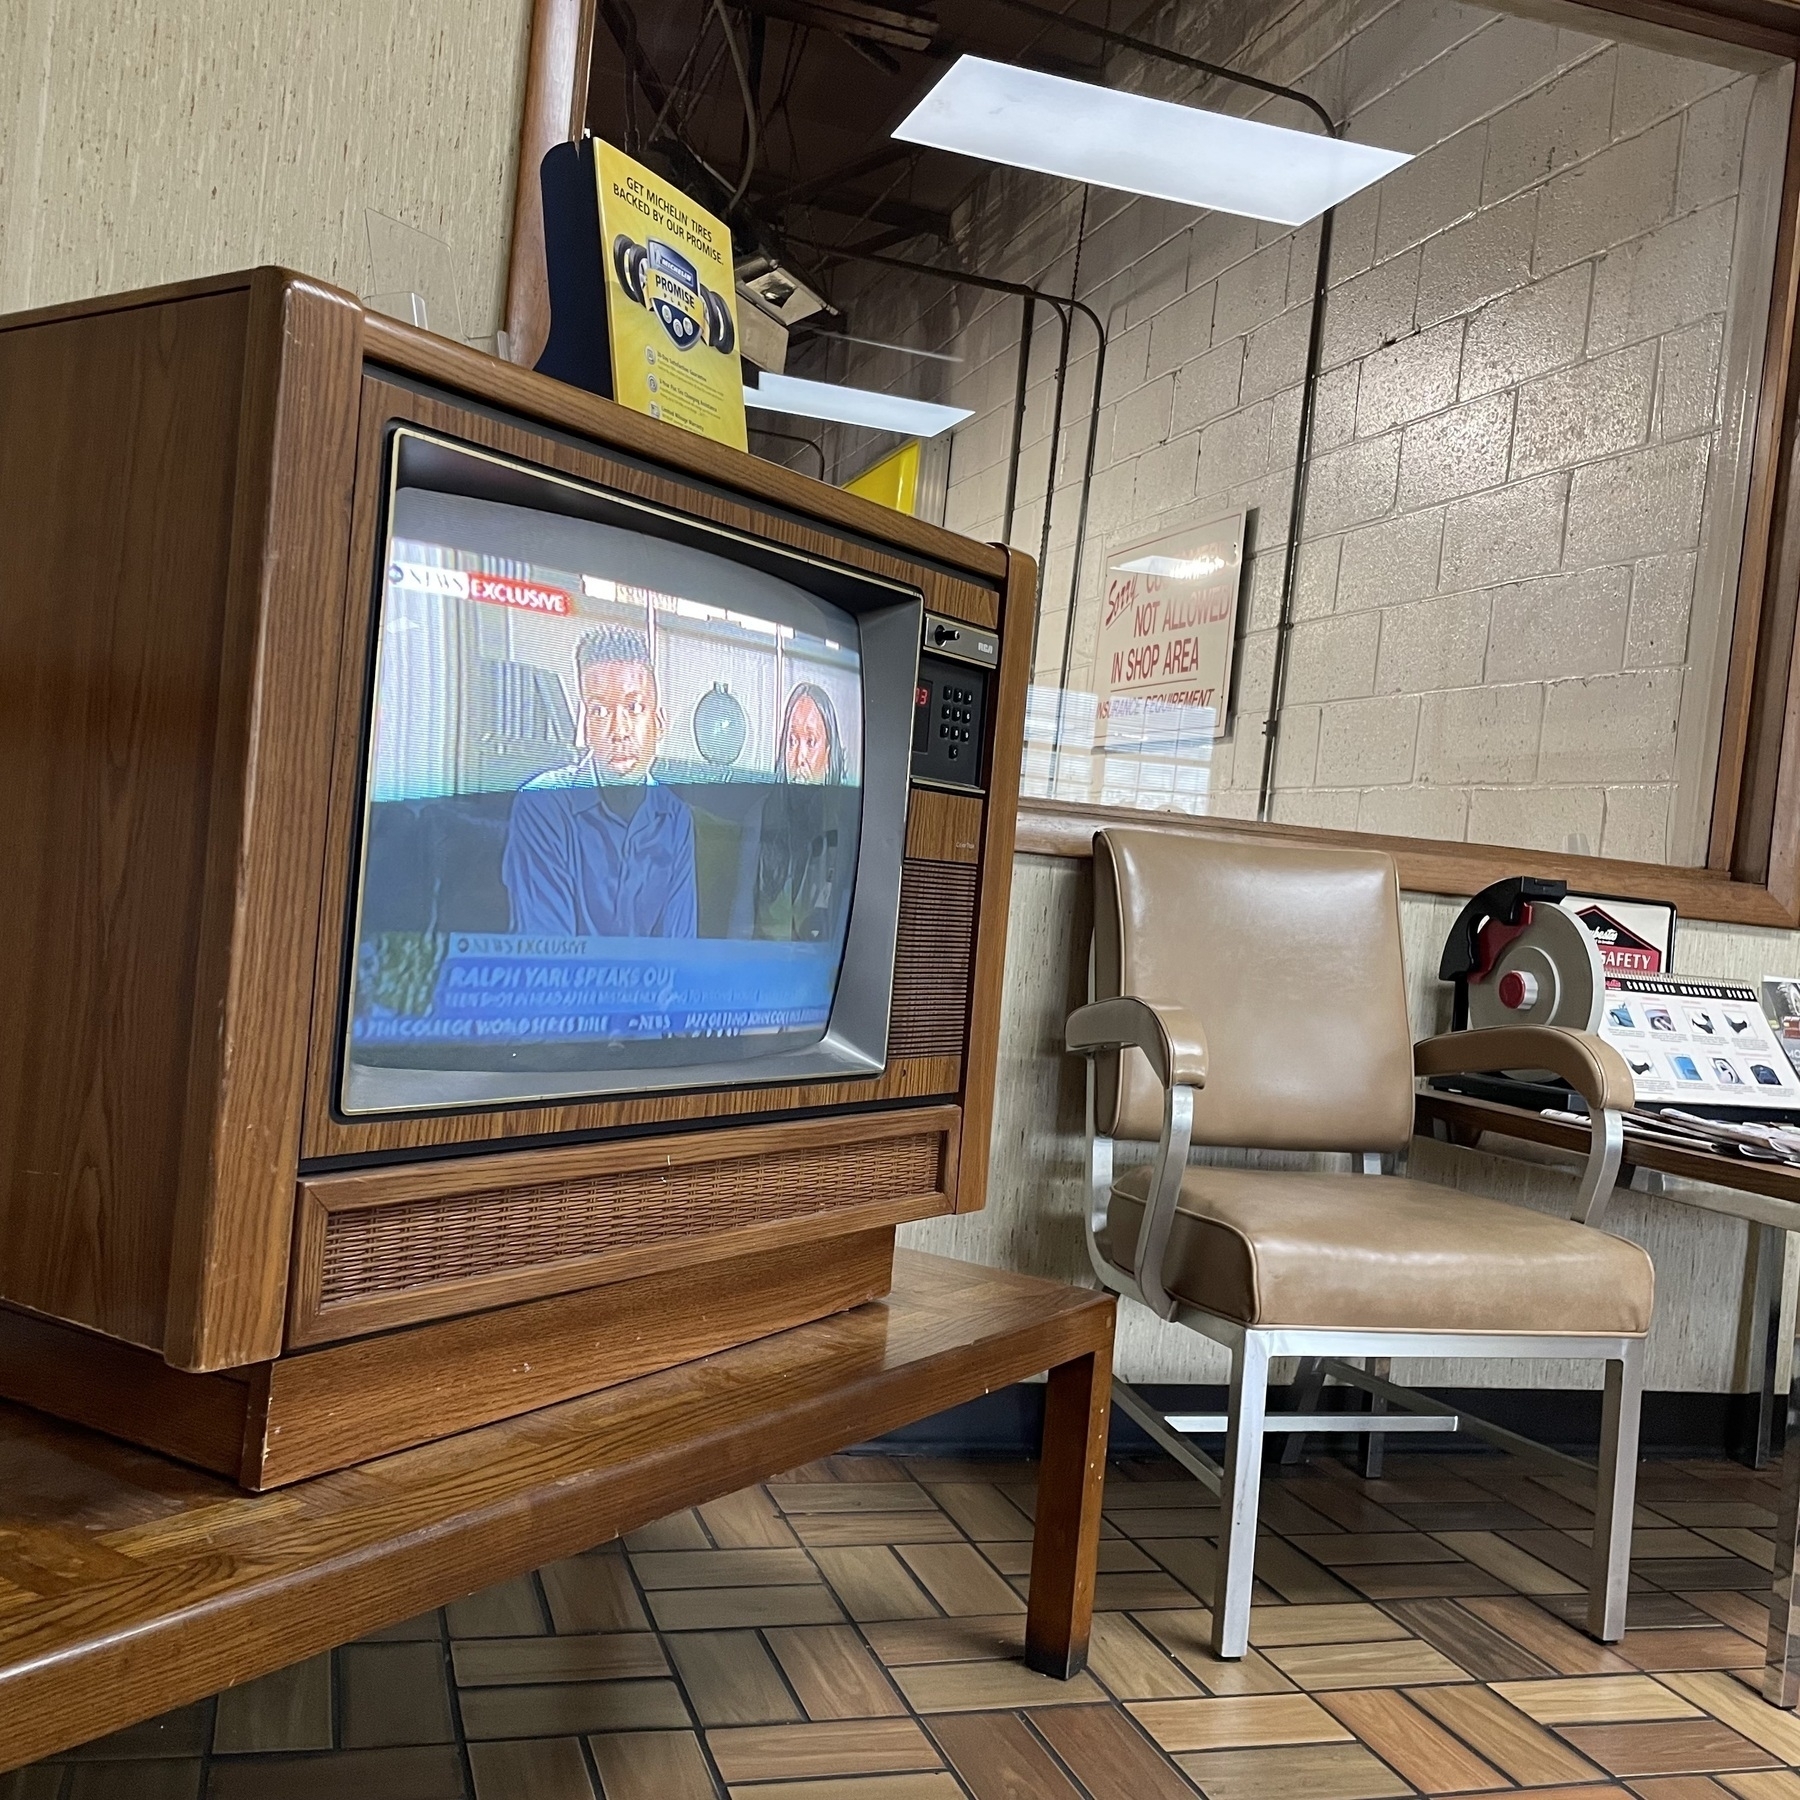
column 634, row 799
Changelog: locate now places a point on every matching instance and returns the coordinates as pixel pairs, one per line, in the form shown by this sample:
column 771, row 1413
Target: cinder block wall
column 1526, row 492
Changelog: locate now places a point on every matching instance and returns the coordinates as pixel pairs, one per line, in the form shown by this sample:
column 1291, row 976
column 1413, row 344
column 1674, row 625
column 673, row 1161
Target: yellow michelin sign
column 671, row 305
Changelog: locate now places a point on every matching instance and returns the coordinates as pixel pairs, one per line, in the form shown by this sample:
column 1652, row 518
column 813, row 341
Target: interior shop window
column 1527, row 492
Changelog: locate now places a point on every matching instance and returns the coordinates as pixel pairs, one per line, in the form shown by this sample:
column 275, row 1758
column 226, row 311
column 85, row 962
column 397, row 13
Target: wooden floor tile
column 1646, row 1609
column 988, row 1687
column 1745, row 1613
column 1739, row 1540
column 1595, row 1700
column 960, row 1579
column 981, row 1510
column 1187, row 1637
column 1712, row 1647
column 747, row 1520
column 184, row 1732
column 1349, row 1622
column 1773, row 1728
column 1411, row 1743
column 1548, row 1639
column 1132, row 1665
column 1137, row 1496
column 1718, row 1512
column 513, row 1609
column 1679, row 1787
column 1514, row 1744
column 1519, row 1569
column 904, row 1642
column 1470, row 1643
column 1139, row 1590
column 1297, row 1772
column 1168, row 1521
column 1772, row 1784
column 1343, row 1502
column 413, row 1774
column 833, row 1673
column 795, row 1752
column 679, row 1531
column 1238, row 1723
column 651, row 1765
column 169, row 1780
column 1395, row 1662
column 874, row 1585
column 41, row 1781
column 530, row 1769
column 572, row 1709
column 1703, row 1572
column 424, row 1628
column 592, row 1593
column 1110, row 1757
column 393, row 1694
column 940, row 1786
column 1349, row 1549
column 290, row 1710
column 998, row 1757
column 867, row 1496
column 659, row 1570
column 731, row 1679
column 1296, row 1577
column 727, row 1609
column 1675, row 1747
column 922, row 1526
column 590, row 1656
column 1423, row 1581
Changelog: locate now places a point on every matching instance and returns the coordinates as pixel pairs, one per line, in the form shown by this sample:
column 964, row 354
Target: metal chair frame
column 1324, row 1355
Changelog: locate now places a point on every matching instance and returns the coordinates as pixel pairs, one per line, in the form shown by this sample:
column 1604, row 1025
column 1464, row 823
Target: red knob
column 1518, row 991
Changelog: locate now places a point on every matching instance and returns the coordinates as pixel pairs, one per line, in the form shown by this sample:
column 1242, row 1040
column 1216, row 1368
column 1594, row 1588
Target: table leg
column 1769, row 1430
column 1781, row 1673
column 1071, row 1486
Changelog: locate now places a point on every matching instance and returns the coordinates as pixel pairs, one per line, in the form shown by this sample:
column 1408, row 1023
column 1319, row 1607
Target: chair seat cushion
column 1375, row 1252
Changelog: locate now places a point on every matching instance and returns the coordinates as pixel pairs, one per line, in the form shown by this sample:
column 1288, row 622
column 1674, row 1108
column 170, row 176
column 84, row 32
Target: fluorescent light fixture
column 1176, row 568
column 853, row 406
column 1140, row 145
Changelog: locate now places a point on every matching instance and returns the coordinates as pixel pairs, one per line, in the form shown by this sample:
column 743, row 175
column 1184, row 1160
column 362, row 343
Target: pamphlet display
column 1702, row 1043
column 671, row 307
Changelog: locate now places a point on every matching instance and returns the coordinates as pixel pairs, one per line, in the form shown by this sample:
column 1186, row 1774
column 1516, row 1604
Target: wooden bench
column 130, row 1584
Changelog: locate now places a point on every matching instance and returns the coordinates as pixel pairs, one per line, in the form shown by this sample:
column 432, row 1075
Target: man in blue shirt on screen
column 598, row 849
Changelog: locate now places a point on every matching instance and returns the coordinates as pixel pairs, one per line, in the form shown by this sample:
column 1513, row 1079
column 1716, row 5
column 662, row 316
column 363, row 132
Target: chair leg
column 1309, row 1385
column 1610, row 1571
column 1236, row 1568
column 1375, row 1442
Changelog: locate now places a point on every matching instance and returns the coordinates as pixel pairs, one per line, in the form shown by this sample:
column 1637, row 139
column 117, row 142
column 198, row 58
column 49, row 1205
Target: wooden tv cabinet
column 198, row 1251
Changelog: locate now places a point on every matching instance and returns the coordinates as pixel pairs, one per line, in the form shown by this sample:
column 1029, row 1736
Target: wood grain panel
column 403, row 348
column 270, row 766
column 329, row 1408
column 117, row 486
column 1066, row 828
column 1008, row 735
column 943, row 827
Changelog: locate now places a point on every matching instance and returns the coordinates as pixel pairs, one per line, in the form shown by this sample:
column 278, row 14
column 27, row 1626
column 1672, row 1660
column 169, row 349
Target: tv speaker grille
column 425, row 1243
column 932, row 954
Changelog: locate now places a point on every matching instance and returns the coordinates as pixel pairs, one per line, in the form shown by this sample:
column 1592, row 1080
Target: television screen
column 614, row 806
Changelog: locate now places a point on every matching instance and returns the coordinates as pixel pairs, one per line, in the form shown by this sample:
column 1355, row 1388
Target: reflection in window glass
column 1526, row 497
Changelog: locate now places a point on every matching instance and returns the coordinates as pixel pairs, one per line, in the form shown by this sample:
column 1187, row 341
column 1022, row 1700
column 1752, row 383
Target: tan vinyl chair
column 1251, row 994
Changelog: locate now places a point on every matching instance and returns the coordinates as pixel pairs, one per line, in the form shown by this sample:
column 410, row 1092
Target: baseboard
column 1010, row 1421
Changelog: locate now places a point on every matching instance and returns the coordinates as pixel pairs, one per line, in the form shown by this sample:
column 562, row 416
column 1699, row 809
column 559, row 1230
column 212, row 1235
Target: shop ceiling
column 831, row 80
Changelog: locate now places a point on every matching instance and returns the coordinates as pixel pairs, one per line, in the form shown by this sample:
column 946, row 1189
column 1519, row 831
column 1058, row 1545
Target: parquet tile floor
column 852, row 1631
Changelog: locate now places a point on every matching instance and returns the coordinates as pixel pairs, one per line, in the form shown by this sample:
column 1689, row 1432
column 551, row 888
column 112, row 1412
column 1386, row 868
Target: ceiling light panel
column 853, row 406
column 1139, row 145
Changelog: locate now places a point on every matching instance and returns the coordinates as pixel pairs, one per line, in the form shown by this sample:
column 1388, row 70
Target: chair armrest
column 1594, row 1069
column 1168, row 1034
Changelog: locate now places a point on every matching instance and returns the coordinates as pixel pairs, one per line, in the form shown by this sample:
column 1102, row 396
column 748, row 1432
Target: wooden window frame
column 1752, row 872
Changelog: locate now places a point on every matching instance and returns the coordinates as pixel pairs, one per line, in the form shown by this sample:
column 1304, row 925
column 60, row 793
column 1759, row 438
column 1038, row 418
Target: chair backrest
column 1289, row 957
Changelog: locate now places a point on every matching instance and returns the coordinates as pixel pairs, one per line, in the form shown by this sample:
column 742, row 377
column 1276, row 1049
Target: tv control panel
column 956, row 663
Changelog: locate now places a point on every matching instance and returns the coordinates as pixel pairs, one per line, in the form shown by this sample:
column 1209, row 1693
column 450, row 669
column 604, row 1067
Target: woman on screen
column 800, row 878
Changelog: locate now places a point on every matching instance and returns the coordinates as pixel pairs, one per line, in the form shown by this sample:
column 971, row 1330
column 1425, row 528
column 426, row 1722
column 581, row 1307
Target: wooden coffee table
column 130, row 1584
